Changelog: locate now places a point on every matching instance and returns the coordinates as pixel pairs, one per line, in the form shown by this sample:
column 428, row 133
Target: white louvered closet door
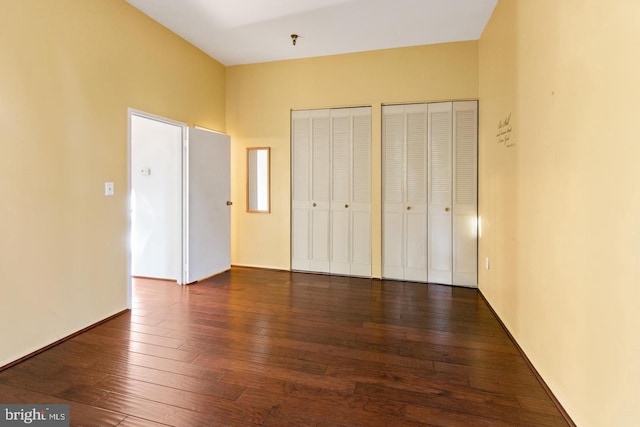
column 300, row 190
column 350, row 191
column 465, row 193
column 429, row 192
column 440, row 251
column 331, row 186
column 340, row 194
column 320, row 190
column 415, row 209
column 360, row 206
column 310, row 172
column 393, row 198
column 405, row 192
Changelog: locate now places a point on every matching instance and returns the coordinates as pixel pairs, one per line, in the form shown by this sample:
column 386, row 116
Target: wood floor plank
column 215, row 408
column 521, row 376
column 153, row 411
column 211, row 386
column 138, row 422
column 124, row 322
column 277, row 372
column 306, row 411
column 444, row 418
column 39, row 375
column 80, row 414
column 100, row 340
column 253, row 347
column 162, row 341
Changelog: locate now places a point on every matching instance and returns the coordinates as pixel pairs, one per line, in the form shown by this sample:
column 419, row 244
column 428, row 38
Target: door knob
column 314, row 204
column 346, row 206
column 408, row 208
column 446, row 209
column 229, row 203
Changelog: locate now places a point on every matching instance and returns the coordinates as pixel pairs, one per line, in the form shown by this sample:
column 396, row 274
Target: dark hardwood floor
column 255, row 347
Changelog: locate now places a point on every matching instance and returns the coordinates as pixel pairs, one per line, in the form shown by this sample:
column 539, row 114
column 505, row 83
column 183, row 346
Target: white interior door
column 156, row 198
column 208, row 189
column 440, row 256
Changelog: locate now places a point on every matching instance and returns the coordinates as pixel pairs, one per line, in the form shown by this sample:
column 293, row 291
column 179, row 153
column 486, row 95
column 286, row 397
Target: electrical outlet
column 486, row 263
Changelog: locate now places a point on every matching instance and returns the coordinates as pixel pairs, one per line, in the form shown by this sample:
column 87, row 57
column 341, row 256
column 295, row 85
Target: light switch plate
column 108, row 188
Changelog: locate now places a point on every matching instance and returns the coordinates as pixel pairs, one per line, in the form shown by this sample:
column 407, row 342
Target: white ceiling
column 250, row 31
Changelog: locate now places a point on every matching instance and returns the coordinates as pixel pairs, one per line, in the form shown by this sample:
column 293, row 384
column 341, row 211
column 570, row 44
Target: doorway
column 179, row 201
column 156, row 197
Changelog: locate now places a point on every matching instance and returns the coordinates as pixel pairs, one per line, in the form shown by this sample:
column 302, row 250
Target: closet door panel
column 340, row 155
column 415, row 234
column 440, row 259
column 319, row 241
column 440, row 194
column 465, row 190
column 301, row 190
column 320, row 190
column 300, row 239
column 393, row 244
column 340, row 232
column 321, row 156
column 340, row 190
column 360, row 205
column 416, row 247
column 393, row 192
column 361, row 243
column 465, row 253
column 361, row 157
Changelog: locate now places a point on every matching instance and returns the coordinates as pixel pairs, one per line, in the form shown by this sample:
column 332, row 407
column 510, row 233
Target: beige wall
column 70, row 69
column 259, row 100
column 561, row 209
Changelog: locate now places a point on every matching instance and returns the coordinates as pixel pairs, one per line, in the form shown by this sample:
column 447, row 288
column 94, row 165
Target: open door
column 207, row 190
